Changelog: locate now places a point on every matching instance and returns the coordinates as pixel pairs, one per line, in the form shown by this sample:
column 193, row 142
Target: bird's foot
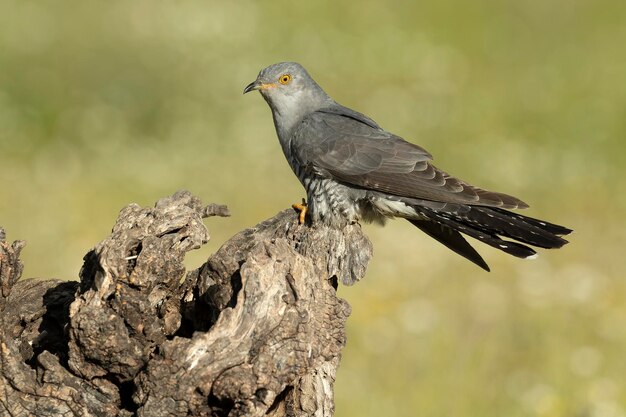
column 302, row 209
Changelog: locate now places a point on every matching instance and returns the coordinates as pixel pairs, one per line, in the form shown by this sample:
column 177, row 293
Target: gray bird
column 354, row 170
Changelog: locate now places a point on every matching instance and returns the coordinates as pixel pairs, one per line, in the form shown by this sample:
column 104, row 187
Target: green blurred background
column 106, row 103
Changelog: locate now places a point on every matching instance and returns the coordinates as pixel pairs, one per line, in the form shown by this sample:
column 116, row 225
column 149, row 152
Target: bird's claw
column 302, row 209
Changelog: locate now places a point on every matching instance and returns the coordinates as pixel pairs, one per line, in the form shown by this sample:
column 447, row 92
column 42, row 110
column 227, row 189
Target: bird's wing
column 350, row 148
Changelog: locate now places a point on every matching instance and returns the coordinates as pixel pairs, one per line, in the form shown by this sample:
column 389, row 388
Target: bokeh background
column 106, row 103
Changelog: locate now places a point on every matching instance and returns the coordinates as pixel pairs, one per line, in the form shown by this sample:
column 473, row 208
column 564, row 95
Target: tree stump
column 257, row 330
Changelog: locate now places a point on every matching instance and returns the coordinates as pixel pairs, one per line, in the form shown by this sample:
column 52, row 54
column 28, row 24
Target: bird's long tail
column 489, row 225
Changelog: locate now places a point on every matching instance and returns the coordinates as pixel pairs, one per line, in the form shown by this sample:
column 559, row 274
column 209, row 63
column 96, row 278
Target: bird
column 353, row 170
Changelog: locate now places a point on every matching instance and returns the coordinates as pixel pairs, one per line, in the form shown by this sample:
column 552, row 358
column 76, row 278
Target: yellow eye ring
column 284, row 79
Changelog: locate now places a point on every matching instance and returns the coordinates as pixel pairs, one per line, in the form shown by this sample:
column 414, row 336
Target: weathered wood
column 257, row 330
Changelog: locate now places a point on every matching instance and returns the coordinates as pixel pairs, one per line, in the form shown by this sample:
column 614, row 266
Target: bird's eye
column 284, row 79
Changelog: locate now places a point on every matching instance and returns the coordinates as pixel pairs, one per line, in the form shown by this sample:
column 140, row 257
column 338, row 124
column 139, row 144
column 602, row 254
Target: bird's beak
column 258, row 85
column 255, row 85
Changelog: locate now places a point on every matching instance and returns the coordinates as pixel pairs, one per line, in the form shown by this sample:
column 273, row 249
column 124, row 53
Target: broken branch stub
column 257, row 330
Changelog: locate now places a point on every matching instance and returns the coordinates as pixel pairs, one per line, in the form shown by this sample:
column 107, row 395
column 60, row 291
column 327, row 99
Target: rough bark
column 257, row 330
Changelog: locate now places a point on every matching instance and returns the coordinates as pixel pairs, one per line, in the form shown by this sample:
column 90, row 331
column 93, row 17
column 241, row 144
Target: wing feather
column 352, row 149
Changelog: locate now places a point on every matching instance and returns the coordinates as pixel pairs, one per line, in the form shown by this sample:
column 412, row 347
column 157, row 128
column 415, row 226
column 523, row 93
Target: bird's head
column 286, row 86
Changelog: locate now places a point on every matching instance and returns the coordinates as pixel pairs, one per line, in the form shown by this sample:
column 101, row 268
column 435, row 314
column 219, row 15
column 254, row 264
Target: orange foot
column 302, row 208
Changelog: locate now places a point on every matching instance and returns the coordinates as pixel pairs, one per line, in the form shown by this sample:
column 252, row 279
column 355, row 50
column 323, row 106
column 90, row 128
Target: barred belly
column 330, row 202
column 337, row 205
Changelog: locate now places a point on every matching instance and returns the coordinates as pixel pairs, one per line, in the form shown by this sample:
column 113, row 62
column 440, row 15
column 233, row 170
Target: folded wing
column 350, row 148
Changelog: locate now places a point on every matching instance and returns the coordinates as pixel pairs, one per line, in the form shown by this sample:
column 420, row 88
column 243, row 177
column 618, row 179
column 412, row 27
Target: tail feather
column 484, row 235
column 451, row 239
column 489, row 225
column 513, row 226
column 542, row 224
